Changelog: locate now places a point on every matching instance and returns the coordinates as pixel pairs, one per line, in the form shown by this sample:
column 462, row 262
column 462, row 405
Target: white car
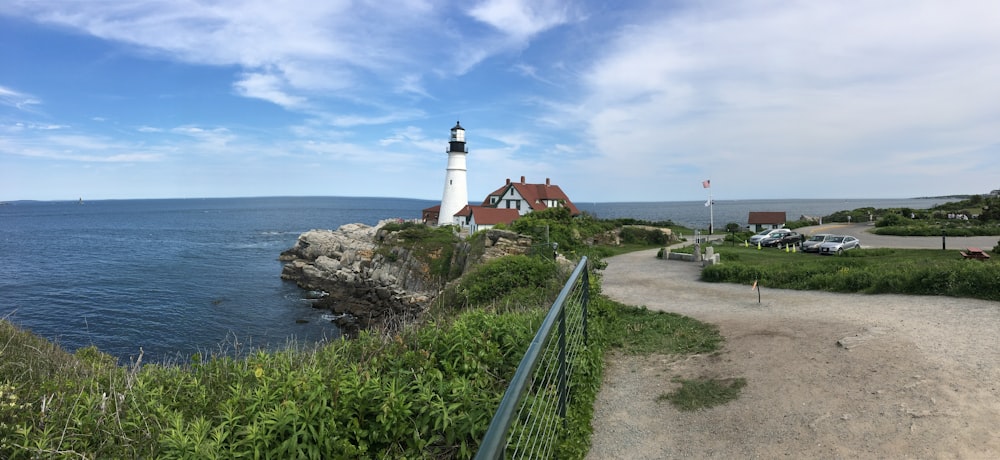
column 837, row 244
column 774, row 232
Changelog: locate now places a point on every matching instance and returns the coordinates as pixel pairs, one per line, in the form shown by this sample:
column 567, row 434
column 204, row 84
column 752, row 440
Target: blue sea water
column 173, row 277
column 177, row 277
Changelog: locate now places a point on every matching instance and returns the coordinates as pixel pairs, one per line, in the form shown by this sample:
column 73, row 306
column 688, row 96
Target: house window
column 493, row 200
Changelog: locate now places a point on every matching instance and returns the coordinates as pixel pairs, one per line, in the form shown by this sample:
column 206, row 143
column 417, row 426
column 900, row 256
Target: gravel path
column 919, row 377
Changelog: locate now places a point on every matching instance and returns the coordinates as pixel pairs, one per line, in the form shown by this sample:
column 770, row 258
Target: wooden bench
column 975, row 253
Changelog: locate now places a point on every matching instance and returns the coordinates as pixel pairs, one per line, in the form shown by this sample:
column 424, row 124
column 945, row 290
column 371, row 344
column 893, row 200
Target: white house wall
column 507, row 201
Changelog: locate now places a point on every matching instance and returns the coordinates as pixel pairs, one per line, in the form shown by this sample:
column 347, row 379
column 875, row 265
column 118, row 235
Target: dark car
column 758, row 238
column 782, row 240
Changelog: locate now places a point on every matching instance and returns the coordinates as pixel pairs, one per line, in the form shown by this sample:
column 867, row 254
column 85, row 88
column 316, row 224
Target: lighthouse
column 456, row 193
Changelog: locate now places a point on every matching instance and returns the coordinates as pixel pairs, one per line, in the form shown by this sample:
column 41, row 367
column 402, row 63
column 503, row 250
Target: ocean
column 181, row 276
column 172, row 277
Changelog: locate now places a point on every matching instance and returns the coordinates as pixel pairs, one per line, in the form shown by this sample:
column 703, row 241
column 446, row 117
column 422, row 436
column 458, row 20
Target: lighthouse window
column 450, row 182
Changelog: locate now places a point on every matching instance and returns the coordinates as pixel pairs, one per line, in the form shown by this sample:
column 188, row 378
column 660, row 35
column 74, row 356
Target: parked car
column 781, row 240
column 837, row 244
column 812, row 244
column 768, row 233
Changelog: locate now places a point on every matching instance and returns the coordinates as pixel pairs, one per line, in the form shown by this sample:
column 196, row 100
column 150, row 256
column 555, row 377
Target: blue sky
column 614, row 101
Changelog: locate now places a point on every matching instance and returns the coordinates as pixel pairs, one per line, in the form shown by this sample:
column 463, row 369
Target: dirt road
column 919, row 376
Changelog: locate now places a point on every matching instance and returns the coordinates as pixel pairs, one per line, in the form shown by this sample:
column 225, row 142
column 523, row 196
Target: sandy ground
column 919, row 377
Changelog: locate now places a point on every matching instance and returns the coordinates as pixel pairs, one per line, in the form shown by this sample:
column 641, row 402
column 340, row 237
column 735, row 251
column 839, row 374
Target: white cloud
column 289, row 52
column 521, row 19
column 268, row 87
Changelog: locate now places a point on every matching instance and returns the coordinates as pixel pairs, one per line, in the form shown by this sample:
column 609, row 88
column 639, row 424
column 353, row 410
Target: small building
column 476, row 218
column 763, row 220
column 430, row 215
column 526, row 197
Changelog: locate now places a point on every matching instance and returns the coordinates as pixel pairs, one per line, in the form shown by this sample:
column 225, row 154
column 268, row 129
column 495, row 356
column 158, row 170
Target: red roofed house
column 765, row 220
column 529, row 197
column 475, row 218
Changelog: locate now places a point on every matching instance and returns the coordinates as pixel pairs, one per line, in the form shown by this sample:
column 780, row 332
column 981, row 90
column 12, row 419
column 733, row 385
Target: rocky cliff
column 373, row 277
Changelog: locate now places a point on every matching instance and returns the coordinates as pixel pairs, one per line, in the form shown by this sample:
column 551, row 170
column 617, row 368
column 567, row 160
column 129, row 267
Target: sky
column 613, row 101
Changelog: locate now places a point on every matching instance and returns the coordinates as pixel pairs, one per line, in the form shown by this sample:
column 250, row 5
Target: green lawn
column 872, row 271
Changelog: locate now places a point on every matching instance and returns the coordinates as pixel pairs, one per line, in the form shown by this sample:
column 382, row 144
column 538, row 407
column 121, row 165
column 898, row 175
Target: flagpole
column 711, row 211
column 707, row 183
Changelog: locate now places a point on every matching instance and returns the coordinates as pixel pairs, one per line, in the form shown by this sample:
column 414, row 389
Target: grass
column 703, row 393
column 642, row 331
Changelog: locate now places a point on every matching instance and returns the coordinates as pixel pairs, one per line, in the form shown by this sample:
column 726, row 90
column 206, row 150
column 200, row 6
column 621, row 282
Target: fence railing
column 533, row 409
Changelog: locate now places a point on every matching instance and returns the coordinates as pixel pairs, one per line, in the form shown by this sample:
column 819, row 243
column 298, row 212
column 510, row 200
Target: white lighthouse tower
column 456, row 192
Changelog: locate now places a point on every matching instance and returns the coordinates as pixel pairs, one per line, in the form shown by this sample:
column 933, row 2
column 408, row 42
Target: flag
column 706, row 183
column 754, row 287
column 708, row 203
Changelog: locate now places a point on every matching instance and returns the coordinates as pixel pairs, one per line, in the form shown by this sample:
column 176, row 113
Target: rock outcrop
column 374, row 280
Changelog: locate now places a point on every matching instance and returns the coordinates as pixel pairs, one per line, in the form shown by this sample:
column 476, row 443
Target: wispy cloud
column 16, row 99
column 78, row 148
column 358, row 120
column 300, row 49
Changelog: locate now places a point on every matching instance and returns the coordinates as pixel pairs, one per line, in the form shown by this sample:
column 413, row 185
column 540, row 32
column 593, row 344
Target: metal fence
column 533, row 410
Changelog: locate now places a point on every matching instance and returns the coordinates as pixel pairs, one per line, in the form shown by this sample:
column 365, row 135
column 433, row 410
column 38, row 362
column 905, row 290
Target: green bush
column 495, row 279
column 640, row 235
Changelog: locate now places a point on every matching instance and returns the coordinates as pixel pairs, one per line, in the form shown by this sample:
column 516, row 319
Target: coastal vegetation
column 977, row 215
column 427, row 390
column 575, row 236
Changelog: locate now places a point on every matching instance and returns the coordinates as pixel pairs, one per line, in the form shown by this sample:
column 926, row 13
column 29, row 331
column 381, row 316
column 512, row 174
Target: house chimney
column 547, row 183
column 522, row 179
column 508, row 181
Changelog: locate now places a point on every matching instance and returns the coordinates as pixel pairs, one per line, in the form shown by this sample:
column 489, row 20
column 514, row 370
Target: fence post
column 562, row 366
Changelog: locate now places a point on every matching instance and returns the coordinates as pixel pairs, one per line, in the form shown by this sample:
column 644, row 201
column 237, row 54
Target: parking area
column 871, row 240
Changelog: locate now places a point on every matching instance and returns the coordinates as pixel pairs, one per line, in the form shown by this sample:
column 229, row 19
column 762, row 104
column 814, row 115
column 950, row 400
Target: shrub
column 640, row 235
column 496, row 278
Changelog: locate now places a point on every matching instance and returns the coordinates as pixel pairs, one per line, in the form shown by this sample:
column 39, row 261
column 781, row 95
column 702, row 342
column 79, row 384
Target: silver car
column 812, row 244
column 837, row 244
